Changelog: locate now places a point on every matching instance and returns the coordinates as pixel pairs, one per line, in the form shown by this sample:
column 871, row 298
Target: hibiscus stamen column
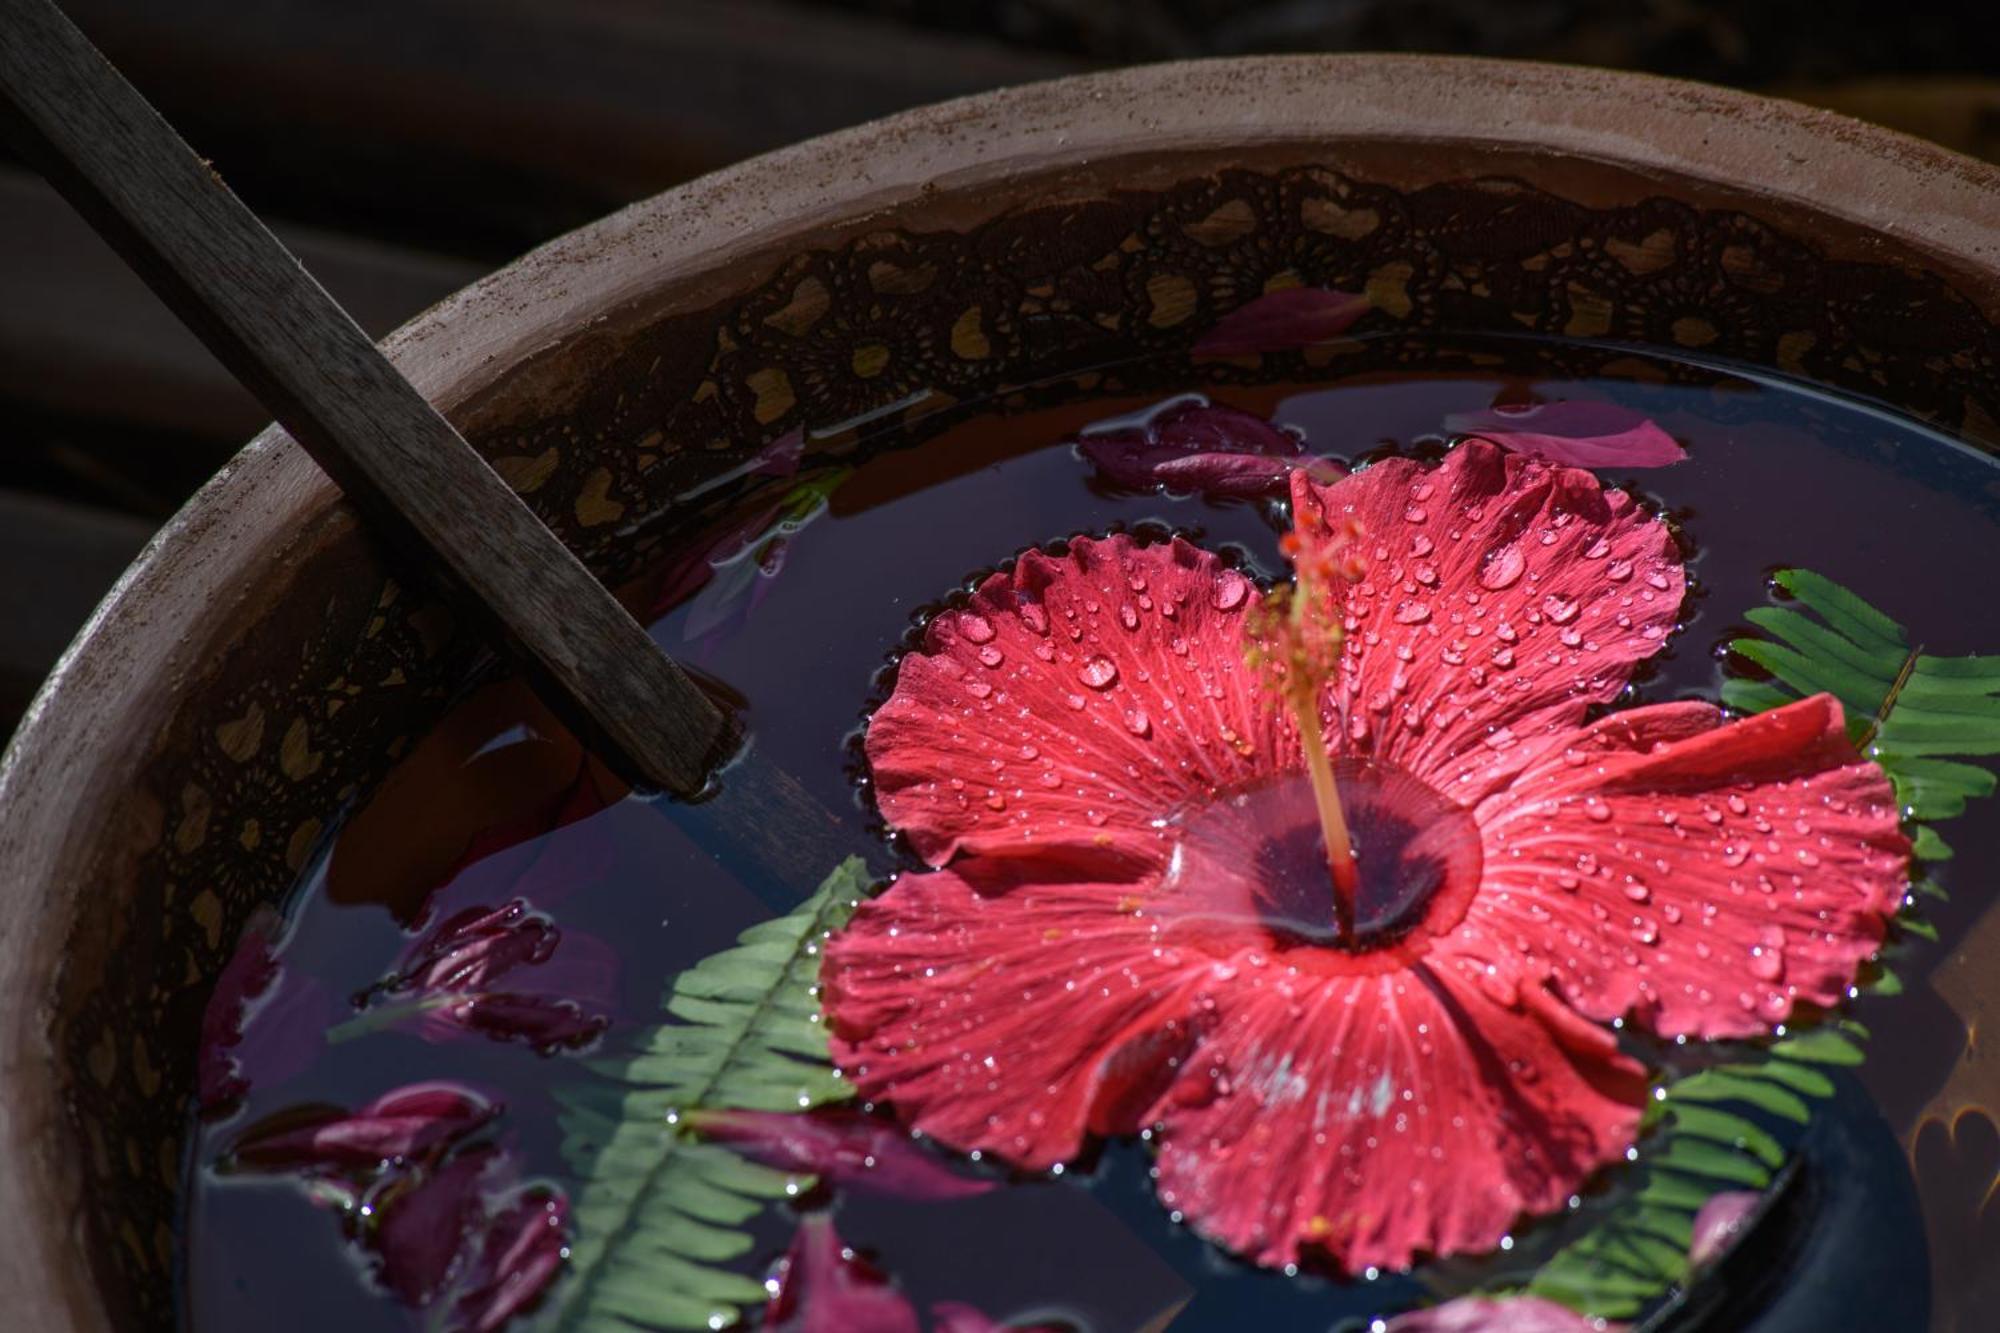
column 1295, row 639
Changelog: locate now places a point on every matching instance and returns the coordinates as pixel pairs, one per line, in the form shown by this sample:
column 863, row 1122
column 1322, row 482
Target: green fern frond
column 659, row 1212
column 1727, row 1126
column 1920, row 716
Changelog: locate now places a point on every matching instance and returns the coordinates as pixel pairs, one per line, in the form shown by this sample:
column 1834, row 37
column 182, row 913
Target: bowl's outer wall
column 258, row 668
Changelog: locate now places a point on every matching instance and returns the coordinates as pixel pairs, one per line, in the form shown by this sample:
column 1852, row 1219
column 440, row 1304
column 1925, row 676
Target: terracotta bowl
column 259, row 667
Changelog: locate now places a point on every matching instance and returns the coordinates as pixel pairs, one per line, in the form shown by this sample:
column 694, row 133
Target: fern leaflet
column 660, row 1212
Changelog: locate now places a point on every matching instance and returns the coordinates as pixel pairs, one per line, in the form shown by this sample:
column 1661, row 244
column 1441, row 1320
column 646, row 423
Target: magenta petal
column 423, row 1227
column 1579, row 434
column 1192, row 445
column 845, row 1147
column 520, row 1255
column 479, row 945
column 1718, row 1222
column 958, row 1317
column 1283, row 320
column 412, row 1121
column 557, row 988
column 1510, row 1314
column 540, row 1021
column 248, row 974
column 823, row 1288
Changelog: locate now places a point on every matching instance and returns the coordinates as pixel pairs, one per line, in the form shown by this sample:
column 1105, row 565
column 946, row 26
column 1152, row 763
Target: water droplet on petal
column 1503, row 568
column 1230, row 590
column 976, row 628
column 1100, row 673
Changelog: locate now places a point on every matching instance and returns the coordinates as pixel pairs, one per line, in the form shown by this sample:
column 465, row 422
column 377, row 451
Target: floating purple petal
column 558, row 990
column 262, row 1024
column 1281, row 321
column 1191, row 445
column 1580, row 434
column 1718, row 1222
column 546, row 1023
column 520, row 1254
column 478, row 946
column 425, row 1220
column 1506, row 1314
column 418, row 1120
column 248, row 974
column 845, row 1147
column 958, row 1317
column 823, row 1287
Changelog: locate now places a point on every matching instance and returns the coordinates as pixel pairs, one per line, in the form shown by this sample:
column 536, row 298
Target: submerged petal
column 1577, row 433
column 521, row 1251
column 823, row 1287
column 415, row 1120
column 1499, row 1314
column 1504, row 597
column 845, row 1147
column 1282, row 320
column 1719, row 1222
column 1698, row 876
column 1190, row 444
column 1072, row 701
column 1377, row 1118
column 425, row 1221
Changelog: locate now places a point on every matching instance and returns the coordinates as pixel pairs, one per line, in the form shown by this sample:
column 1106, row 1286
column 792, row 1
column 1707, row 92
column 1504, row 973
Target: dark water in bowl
column 1777, row 475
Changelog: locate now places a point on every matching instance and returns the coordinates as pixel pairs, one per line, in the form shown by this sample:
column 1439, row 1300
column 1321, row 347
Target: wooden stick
column 413, row 476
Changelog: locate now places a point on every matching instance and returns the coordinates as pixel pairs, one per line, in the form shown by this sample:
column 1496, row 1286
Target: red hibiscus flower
column 1133, row 926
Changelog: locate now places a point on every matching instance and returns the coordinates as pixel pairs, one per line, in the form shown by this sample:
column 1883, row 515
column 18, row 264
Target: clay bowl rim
column 683, row 250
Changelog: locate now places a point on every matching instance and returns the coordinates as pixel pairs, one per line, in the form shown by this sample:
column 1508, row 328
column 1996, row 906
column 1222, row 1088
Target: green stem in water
column 377, row 1017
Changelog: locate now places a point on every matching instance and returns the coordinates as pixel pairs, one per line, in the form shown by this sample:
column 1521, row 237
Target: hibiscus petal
column 1376, row 1118
column 1008, row 1017
column 1700, row 877
column 519, row 1255
column 1073, row 700
column 1503, row 1314
column 1718, row 1222
column 262, row 1024
column 478, row 946
column 1192, row 445
column 1578, row 434
column 1282, row 320
column 822, row 1287
column 424, row 1224
column 247, row 975
column 546, row 1023
column 412, row 1121
column 1504, row 597
column 845, row 1147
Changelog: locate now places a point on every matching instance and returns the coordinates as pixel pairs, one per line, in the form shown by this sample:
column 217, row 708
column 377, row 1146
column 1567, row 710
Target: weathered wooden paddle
column 415, row 479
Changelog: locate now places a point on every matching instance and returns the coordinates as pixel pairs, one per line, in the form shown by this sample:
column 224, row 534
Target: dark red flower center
column 1254, row 856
